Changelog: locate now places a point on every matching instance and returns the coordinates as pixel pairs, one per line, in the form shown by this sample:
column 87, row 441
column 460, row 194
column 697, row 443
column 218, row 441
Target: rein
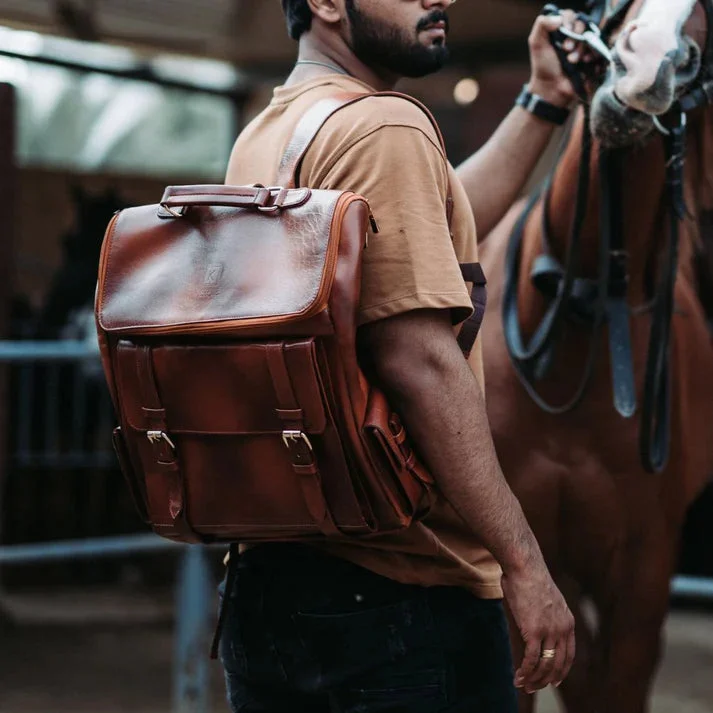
column 605, row 299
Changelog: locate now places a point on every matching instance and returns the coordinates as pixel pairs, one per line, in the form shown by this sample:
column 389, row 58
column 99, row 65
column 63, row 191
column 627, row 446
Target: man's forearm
column 443, row 410
column 495, row 175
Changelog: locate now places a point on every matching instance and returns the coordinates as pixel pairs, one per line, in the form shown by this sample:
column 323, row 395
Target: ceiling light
column 466, row 91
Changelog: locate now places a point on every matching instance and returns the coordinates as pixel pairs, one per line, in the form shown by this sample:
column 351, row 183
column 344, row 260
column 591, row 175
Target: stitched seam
column 110, row 248
column 409, row 296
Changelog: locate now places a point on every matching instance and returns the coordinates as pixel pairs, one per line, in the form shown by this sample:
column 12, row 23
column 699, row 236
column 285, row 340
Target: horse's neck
column 644, row 215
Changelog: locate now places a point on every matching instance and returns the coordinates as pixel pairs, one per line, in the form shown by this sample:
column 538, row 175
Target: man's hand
column 548, row 79
column 545, row 624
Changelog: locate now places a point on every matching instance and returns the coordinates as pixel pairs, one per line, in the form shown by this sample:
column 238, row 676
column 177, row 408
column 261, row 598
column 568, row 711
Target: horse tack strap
column 655, row 436
column 698, row 96
column 617, row 279
column 473, row 272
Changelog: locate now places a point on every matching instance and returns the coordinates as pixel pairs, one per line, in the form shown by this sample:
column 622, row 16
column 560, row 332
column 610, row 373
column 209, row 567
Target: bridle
column 603, row 300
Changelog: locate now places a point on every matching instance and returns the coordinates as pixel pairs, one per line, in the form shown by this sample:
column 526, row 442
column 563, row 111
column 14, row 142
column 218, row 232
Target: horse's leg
column 631, row 624
column 577, row 690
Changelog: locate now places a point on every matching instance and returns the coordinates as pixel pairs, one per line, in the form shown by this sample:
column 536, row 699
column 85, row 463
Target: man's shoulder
column 367, row 115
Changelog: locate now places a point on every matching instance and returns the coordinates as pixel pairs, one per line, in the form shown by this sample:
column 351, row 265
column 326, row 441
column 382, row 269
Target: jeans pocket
column 345, row 644
column 417, row 686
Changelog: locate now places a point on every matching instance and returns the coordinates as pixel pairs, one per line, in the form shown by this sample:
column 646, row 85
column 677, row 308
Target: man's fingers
column 530, row 660
column 547, row 24
column 571, row 649
column 544, row 26
column 542, row 676
column 560, row 667
column 569, row 17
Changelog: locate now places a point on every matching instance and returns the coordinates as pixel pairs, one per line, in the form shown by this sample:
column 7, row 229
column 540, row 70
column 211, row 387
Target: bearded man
column 410, row 622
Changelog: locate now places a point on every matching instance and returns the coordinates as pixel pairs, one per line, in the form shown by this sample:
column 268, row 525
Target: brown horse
column 608, row 528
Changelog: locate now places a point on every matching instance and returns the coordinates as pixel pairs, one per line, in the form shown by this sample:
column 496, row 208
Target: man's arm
column 495, row 175
column 420, row 367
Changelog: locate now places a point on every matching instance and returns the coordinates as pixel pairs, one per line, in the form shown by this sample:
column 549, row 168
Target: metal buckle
column 176, row 214
column 592, row 37
column 158, row 436
column 274, row 202
column 291, row 437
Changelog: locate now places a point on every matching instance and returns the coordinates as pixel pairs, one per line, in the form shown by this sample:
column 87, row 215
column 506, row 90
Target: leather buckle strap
column 297, row 442
column 164, row 449
column 299, row 445
column 178, row 199
column 158, row 437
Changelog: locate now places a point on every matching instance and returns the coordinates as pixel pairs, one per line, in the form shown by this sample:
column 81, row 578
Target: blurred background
column 102, row 104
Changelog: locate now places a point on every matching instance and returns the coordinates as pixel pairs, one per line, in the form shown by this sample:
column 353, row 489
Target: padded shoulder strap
column 314, row 119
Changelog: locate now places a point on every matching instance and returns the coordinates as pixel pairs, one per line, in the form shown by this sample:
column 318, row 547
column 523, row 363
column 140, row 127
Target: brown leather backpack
column 227, row 320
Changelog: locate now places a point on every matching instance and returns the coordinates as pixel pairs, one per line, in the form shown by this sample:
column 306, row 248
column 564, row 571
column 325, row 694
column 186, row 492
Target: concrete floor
column 114, row 659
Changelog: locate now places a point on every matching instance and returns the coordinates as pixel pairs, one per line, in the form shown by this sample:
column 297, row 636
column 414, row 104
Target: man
column 414, row 621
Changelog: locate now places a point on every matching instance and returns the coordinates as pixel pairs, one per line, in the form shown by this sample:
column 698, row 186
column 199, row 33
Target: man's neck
column 339, row 57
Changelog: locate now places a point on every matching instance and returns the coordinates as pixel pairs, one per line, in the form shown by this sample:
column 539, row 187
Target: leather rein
column 604, row 300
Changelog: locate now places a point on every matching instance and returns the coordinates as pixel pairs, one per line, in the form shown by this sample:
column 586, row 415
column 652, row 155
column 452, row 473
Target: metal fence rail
column 62, row 421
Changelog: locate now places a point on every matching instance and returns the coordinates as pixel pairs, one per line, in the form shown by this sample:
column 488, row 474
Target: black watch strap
column 542, row 109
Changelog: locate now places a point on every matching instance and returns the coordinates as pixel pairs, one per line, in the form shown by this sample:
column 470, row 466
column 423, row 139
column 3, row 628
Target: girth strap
column 165, row 462
column 297, row 442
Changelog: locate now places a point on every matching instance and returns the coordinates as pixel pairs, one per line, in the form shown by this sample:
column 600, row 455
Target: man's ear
column 329, row 11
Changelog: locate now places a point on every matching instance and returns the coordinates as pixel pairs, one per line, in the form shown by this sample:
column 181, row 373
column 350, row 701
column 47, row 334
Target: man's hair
column 299, row 17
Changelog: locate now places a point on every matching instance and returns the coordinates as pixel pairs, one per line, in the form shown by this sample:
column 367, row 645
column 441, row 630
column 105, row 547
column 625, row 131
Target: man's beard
column 379, row 44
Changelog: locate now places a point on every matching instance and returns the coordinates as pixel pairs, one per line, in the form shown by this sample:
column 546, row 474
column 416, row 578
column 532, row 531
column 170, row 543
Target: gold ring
column 548, row 653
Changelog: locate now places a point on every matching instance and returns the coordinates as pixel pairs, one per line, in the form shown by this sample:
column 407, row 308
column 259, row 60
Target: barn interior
column 102, row 104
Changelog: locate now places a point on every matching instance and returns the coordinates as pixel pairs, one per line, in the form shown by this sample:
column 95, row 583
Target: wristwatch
column 542, row 109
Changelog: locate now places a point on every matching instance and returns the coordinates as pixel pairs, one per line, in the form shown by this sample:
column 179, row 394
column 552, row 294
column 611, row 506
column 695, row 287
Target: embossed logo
column 213, row 274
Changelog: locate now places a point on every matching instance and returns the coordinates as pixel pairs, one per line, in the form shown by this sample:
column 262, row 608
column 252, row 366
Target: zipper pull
column 372, row 219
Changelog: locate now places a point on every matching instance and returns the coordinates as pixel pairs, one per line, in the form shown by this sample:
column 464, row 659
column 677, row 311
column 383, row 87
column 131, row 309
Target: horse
column 610, row 254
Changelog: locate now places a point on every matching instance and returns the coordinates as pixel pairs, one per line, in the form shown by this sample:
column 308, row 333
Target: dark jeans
column 306, row 632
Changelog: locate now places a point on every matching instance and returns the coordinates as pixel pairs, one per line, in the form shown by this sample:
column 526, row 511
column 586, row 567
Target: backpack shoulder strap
column 314, row 119
column 305, row 133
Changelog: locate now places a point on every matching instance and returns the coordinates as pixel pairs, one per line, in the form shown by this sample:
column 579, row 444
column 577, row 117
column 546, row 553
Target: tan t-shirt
column 386, row 149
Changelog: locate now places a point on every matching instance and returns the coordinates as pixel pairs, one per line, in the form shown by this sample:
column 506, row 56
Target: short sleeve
column 410, row 263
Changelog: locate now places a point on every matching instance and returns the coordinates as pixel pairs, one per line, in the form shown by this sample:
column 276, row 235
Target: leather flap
column 221, row 389
column 217, row 267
